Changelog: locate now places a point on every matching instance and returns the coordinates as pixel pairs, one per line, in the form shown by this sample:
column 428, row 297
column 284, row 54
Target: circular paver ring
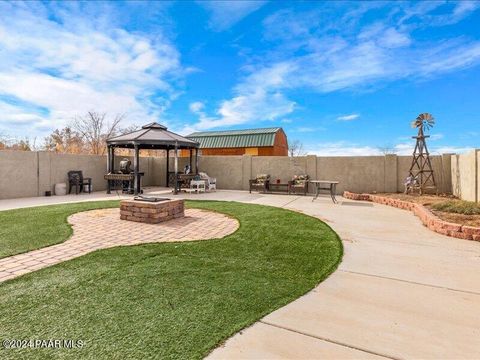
column 102, row 228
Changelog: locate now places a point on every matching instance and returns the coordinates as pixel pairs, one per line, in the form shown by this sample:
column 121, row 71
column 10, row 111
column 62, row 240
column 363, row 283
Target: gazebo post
column 176, row 168
column 191, row 153
column 168, row 156
column 109, row 159
column 136, row 159
column 111, row 164
column 196, row 160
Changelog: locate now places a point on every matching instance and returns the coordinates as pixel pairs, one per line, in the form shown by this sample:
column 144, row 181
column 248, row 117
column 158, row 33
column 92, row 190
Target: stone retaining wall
column 428, row 219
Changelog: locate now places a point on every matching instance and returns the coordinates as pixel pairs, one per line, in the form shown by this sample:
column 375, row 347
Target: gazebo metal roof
column 150, row 136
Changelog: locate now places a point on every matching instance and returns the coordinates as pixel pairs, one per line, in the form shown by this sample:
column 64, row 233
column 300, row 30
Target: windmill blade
column 424, row 121
column 424, row 116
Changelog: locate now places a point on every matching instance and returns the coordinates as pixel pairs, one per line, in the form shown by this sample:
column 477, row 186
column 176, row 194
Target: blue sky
column 344, row 78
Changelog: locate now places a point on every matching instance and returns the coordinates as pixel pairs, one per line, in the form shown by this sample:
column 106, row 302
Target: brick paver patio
column 100, row 229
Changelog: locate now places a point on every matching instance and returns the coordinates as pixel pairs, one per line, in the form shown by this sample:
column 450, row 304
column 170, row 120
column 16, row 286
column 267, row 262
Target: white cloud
column 348, row 117
column 258, row 106
column 342, row 148
column 449, row 56
column 196, row 107
column 405, row 148
column 225, row 14
column 450, row 150
column 461, row 10
column 437, row 13
column 387, row 37
column 434, row 137
column 308, row 129
column 256, row 99
column 392, row 38
column 60, row 69
column 345, row 148
column 14, row 116
column 464, row 8
column 318, row 52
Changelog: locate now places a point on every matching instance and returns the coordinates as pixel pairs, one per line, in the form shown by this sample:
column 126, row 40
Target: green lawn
column 170, row 300
column 33, row 228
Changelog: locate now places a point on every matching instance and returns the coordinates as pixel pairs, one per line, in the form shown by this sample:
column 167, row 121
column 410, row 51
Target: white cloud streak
column 348, row 117
column 196, row 107
column 342, row 148
column 345, row 148
column 66, row 67
column 337, row 55
column 225, row 14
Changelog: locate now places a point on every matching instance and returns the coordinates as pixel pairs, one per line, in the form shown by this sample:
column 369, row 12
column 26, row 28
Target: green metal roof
column 235, row 138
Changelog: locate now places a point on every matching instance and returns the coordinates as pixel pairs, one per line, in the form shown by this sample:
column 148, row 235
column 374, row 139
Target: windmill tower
column 421, row 169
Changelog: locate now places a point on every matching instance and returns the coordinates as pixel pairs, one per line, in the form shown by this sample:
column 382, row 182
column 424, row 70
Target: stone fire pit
column 151, row 212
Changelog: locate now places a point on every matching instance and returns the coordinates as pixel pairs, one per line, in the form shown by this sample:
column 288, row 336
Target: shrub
column 458, row 207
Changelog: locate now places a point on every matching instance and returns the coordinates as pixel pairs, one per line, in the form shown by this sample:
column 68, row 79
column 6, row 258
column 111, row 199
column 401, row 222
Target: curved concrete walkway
column 401, row 291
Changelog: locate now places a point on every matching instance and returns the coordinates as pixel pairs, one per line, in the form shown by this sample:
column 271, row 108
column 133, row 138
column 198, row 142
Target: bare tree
column 14, row 143
column 64, row 141
column 296, row 148
column 128, row 129
column 387, row 150
column 22, row 145
column 94, row 129
column 34, row 144
column 3, row 141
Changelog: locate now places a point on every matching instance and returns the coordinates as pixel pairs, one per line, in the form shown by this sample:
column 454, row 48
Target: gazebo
column 152, row 136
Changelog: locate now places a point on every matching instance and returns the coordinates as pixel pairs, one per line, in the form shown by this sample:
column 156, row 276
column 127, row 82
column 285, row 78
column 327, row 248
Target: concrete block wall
column 18, row 174
column 355, row 173
column 441, row 166
column 465, row 177
column 477, row 174
column 26, row 174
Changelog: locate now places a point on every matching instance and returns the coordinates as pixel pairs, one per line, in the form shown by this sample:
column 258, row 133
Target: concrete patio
column 401, row 291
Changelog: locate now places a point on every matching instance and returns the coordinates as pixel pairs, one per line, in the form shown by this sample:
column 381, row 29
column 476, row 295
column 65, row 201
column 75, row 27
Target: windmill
column 421, row 170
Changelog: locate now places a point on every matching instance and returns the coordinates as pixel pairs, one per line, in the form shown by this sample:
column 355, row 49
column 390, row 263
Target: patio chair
column 298, row 185
column 75, row 178
column 260, row 183
column 210, row 182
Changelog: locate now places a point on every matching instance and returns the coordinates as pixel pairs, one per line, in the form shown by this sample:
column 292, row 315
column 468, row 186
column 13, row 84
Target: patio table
column 278, row 187
column 325, row 185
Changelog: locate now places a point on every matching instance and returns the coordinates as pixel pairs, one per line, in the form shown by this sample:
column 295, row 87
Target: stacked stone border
column 151, row 213
column 428, row 219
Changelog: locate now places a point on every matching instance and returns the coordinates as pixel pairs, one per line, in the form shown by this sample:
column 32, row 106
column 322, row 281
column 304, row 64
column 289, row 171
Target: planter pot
column 61, row 189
